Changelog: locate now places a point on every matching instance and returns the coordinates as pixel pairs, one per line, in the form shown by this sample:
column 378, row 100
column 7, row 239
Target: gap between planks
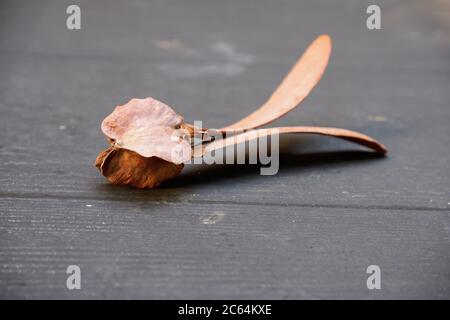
column 34, row 196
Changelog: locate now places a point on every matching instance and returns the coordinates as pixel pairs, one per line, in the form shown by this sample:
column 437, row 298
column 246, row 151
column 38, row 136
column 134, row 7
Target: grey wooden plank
column 224, row 231
column 39, row 157
column 53, row 78
column 137, row 249
column 129, row 30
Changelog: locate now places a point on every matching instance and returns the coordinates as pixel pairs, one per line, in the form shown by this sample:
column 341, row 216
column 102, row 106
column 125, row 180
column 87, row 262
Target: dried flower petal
column 148, row 127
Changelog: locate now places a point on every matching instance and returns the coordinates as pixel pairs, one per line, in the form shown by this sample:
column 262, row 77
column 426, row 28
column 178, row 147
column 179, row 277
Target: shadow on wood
column 213, row 174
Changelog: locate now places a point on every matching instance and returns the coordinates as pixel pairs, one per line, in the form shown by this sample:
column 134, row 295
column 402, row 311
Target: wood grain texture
column 166, row 250
column 225, row 231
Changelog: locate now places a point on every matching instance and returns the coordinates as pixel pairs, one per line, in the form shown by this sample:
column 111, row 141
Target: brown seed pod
column 126, row 167
column 150, row 141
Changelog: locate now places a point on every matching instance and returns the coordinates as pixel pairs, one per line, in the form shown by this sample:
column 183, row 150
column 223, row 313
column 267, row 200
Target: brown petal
column 139, row 113
column 161, row 142
column 101, row 157
column 353, row 136
column 148, row 127
column 299, row 82
column 126, row 167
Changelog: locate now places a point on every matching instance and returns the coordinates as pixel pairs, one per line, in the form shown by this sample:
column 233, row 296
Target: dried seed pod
column 126, row 167
column 145, row 147
column 150, row 141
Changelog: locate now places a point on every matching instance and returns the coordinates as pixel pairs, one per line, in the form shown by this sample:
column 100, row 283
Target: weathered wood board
column 225, row 231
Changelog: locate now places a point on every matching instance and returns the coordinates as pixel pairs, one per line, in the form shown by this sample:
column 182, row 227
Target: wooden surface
column 225, row 231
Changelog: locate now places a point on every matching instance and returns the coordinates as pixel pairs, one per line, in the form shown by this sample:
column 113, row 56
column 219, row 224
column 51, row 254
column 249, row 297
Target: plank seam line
column 13, row 196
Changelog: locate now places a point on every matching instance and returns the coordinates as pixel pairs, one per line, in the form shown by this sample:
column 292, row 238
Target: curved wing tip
column 325, row 42
column 379, row 148
column 325, row 37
